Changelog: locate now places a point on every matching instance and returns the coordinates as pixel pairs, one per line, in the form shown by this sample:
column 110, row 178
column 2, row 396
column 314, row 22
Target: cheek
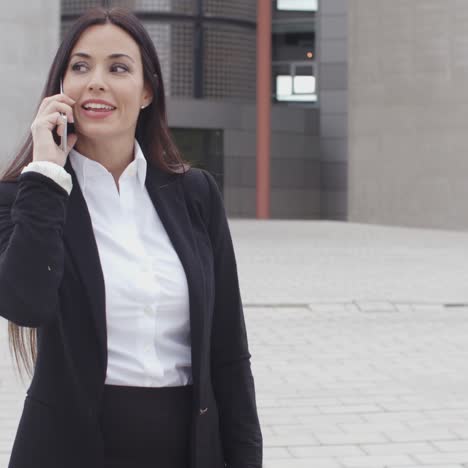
column 129, row 105
column 74, row 91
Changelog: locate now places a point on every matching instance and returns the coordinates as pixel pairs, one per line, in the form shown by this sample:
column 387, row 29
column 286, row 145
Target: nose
column 93, row 86
column 96, row 80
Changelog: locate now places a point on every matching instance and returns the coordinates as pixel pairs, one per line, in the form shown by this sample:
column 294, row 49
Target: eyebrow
column 111, row 56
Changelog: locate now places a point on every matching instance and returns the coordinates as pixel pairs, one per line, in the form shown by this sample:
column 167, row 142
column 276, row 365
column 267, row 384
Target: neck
column 115, row 154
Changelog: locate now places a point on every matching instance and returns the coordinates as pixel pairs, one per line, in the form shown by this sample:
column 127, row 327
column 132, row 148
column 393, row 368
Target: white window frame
column 296, row 96
column 297, row 5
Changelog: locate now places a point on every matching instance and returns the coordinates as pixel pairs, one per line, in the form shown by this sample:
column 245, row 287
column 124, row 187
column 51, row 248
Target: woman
column 119, row 257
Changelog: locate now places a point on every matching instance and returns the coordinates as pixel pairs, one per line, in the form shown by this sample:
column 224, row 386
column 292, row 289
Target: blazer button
column 203, row 411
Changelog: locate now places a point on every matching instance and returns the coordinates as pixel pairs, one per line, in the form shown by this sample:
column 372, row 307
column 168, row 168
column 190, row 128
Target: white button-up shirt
column 147, row 302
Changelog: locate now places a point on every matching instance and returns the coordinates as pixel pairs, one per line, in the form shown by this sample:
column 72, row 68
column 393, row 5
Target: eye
column 78, row 65
column 117, row 65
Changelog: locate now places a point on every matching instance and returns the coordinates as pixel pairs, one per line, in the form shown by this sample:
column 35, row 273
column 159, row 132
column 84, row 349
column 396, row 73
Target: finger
column 61, row 123
column 53, row 101
column 71, row 140
column 48, row 121
column 66, row 99
column 57, row 105
column 56, row 120
column 61, row 107
column 48, row 99
column 60, row 127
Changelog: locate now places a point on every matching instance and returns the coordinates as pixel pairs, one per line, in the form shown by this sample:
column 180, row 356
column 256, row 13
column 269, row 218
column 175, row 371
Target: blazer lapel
column 167, row 195
column 80, row 240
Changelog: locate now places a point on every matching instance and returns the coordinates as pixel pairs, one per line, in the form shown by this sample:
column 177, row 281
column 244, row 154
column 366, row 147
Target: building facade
column 368, row 99
column 207, row 50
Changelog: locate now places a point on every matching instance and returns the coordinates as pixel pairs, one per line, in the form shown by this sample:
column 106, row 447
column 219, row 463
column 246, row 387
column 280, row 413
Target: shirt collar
column 141, row 163
column 87, row 169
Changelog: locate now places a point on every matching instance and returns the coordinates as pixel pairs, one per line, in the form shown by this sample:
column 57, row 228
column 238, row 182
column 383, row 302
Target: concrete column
column 29, row 37
column 332, row 41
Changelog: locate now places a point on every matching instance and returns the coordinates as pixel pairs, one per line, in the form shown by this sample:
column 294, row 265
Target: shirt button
column 148, row 310
column 148, row 348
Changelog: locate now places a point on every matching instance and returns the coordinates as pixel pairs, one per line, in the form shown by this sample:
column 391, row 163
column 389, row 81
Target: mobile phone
column 69, row 128
column 63, row 139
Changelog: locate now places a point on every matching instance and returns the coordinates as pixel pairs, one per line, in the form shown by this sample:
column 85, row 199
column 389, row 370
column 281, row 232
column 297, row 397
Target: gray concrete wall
column 408, row 112
column 295, row 164
column 29, row 37
column 332, row 55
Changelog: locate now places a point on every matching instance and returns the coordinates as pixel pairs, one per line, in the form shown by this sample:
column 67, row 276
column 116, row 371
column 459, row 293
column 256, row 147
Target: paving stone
column 371, row 364
column 375, row 306
column 448, row 457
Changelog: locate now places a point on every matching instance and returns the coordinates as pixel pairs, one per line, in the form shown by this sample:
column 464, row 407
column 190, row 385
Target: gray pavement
column 359, row 341
column 297, row 262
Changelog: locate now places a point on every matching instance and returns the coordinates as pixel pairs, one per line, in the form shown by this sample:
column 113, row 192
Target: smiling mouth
column 98, row 109
column 96, row 113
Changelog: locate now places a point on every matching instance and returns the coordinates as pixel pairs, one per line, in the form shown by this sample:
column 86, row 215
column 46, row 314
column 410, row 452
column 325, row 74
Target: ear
column 147, row 95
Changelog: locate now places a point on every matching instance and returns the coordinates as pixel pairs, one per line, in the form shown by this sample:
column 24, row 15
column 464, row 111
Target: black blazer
column 51, row 278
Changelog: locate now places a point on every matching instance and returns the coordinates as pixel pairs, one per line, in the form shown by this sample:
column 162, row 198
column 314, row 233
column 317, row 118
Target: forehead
column 103, row 40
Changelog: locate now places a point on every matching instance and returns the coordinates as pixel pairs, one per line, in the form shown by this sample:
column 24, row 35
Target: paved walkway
column 359, row 339
column 294, row 262
column 343, row 387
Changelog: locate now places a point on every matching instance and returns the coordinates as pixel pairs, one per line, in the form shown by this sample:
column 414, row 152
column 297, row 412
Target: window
column 297, row 5
column 297, row 85
column 203, row 148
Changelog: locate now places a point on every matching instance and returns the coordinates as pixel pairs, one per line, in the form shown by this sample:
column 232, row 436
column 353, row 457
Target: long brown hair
column 152, row 132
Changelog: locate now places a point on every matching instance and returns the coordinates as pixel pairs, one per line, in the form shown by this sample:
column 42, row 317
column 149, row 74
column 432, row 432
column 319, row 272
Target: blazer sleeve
column 232, row 378
column 32, row 217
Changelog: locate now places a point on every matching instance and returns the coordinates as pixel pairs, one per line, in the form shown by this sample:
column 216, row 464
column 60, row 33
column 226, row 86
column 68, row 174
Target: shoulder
column 201, row 191
column 200, row 185
column 196, row 183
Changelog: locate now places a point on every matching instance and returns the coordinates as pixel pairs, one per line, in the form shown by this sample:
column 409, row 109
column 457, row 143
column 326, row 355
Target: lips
column 97, row 101
column 96, row 113
column 89, row 107
column 97, row 110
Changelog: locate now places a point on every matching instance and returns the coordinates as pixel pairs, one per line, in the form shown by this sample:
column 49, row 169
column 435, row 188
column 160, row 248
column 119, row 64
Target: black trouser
column 146, row 427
